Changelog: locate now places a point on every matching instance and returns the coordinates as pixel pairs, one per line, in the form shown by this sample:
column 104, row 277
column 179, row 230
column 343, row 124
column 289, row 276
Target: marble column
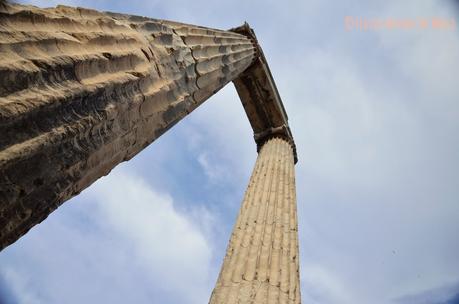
column 261, row 263
column 82, row 91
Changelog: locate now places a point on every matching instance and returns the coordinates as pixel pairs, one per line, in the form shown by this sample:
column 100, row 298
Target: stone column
column 261, row 262
column 82, row 91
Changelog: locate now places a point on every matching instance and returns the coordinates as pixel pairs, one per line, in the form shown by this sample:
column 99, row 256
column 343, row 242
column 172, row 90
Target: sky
column 375, row 116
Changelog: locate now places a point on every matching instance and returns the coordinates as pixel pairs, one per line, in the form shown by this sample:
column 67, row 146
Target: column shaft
column 261, row 263
column 81, row 91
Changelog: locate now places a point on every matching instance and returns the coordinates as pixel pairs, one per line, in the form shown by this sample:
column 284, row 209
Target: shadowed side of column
column 81, row 91
column 261, row 263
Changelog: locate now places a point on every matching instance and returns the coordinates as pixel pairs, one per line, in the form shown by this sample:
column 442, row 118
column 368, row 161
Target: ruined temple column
column 82, row 91
column 261, row 262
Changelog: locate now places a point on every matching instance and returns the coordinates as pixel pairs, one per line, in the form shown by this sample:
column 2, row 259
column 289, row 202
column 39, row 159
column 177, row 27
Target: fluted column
column 261, row 262
column 82, row 90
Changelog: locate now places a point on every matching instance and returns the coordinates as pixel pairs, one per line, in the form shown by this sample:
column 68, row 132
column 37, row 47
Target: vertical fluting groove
column 261, row 263
column 273, row 292
column 285, row 266
column 237, row 238
column 231, row 289
column 268, row 232
column 82, row 91
column 251, row 261
column 240, row 224
column 295, row 289
column 240, row 259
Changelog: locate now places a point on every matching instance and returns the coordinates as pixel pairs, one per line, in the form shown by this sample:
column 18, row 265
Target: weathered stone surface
column 261, row 263
column 261, row 100
column 81, row 91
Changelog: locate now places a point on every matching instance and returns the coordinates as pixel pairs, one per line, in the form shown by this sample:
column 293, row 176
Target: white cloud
column 324, row 286
column 136, row 247
column 174, row 251
column 220, row 131
column 20, row 287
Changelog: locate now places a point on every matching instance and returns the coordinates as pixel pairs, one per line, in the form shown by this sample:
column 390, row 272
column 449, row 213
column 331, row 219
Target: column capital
column 260, row 97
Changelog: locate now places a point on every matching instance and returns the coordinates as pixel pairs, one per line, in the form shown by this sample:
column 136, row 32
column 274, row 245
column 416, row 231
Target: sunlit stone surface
column 261, row 262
